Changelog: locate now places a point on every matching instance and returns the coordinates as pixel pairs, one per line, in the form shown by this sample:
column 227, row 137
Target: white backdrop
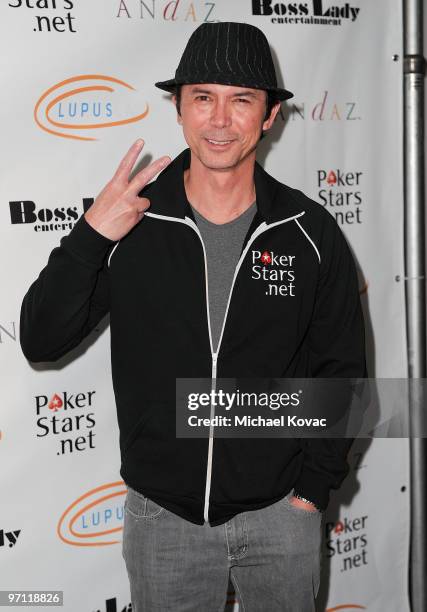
column 77, row 81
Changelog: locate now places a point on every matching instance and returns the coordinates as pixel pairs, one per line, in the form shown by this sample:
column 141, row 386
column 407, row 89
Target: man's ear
column 178, row 116
column 269, row 122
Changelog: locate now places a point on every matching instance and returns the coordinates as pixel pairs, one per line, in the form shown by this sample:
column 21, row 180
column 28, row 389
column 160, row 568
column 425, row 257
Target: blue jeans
column 272, row 556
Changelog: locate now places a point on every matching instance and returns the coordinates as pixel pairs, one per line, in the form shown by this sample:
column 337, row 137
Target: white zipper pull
column 214, row 360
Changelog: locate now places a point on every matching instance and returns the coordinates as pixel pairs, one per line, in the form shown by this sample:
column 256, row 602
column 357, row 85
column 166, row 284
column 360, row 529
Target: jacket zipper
column 214, row 355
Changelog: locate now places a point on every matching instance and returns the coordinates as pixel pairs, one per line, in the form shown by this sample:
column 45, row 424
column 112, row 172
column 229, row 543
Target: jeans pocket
column 296, row 510
column 140, row 507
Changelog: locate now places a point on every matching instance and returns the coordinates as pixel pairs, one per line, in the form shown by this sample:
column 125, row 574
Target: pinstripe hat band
column 227, row 53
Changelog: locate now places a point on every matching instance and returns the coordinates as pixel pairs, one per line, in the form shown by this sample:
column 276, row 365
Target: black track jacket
column 153, row 283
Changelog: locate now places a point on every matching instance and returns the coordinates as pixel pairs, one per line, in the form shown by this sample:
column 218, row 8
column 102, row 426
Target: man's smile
column 219, row 144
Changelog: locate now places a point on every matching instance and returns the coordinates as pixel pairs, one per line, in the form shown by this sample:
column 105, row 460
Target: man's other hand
column 298, row 503
column 118, row 208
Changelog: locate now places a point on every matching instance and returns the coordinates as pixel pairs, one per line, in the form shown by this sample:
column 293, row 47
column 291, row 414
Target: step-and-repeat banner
column 78, row 88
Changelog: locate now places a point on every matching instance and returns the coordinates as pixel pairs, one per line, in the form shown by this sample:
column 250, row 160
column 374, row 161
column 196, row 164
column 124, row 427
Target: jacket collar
column 167, row 194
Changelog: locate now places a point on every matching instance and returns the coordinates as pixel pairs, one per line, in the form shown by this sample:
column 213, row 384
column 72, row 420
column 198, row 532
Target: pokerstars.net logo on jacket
column 275, row 270
column 316, row 12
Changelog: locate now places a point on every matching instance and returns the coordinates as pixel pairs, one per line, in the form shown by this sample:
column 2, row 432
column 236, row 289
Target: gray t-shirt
column 223, row 243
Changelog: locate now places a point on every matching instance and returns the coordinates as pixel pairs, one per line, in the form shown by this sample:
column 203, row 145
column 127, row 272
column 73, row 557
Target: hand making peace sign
column 118, row 208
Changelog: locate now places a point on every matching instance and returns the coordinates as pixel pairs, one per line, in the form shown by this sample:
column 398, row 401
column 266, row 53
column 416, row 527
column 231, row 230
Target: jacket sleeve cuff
column 86, row 244
column 311, row 486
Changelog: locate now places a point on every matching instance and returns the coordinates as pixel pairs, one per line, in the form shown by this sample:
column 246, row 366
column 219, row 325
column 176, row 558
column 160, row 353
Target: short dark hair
column 272, row 99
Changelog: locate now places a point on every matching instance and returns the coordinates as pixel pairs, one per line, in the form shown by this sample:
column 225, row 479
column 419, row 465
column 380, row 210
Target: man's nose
column 221, row 115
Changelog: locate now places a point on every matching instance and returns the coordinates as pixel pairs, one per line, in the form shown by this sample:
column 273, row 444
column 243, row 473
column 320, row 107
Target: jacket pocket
column 133, row 435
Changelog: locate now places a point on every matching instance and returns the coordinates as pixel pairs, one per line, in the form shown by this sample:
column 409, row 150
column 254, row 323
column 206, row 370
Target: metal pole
column 414, row 68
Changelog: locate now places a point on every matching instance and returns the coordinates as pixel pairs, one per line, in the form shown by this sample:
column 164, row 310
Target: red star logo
column 55, row 403
column 331, row 178
column 266, row 257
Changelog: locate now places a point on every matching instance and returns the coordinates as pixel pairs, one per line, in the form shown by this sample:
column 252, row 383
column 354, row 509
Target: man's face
column 222, row 124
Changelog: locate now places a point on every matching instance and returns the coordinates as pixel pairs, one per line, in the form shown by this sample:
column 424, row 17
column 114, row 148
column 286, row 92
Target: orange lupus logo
column 94, row 517
column 346, row 608
column 69, row 101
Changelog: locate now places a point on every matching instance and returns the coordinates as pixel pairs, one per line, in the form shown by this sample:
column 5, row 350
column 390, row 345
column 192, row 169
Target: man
column 173, row 262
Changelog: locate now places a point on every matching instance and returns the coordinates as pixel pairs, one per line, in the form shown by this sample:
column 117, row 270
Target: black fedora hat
column 228, row 53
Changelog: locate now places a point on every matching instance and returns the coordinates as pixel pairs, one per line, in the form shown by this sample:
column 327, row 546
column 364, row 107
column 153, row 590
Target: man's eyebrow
column 200, row 90
column 246, row 93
